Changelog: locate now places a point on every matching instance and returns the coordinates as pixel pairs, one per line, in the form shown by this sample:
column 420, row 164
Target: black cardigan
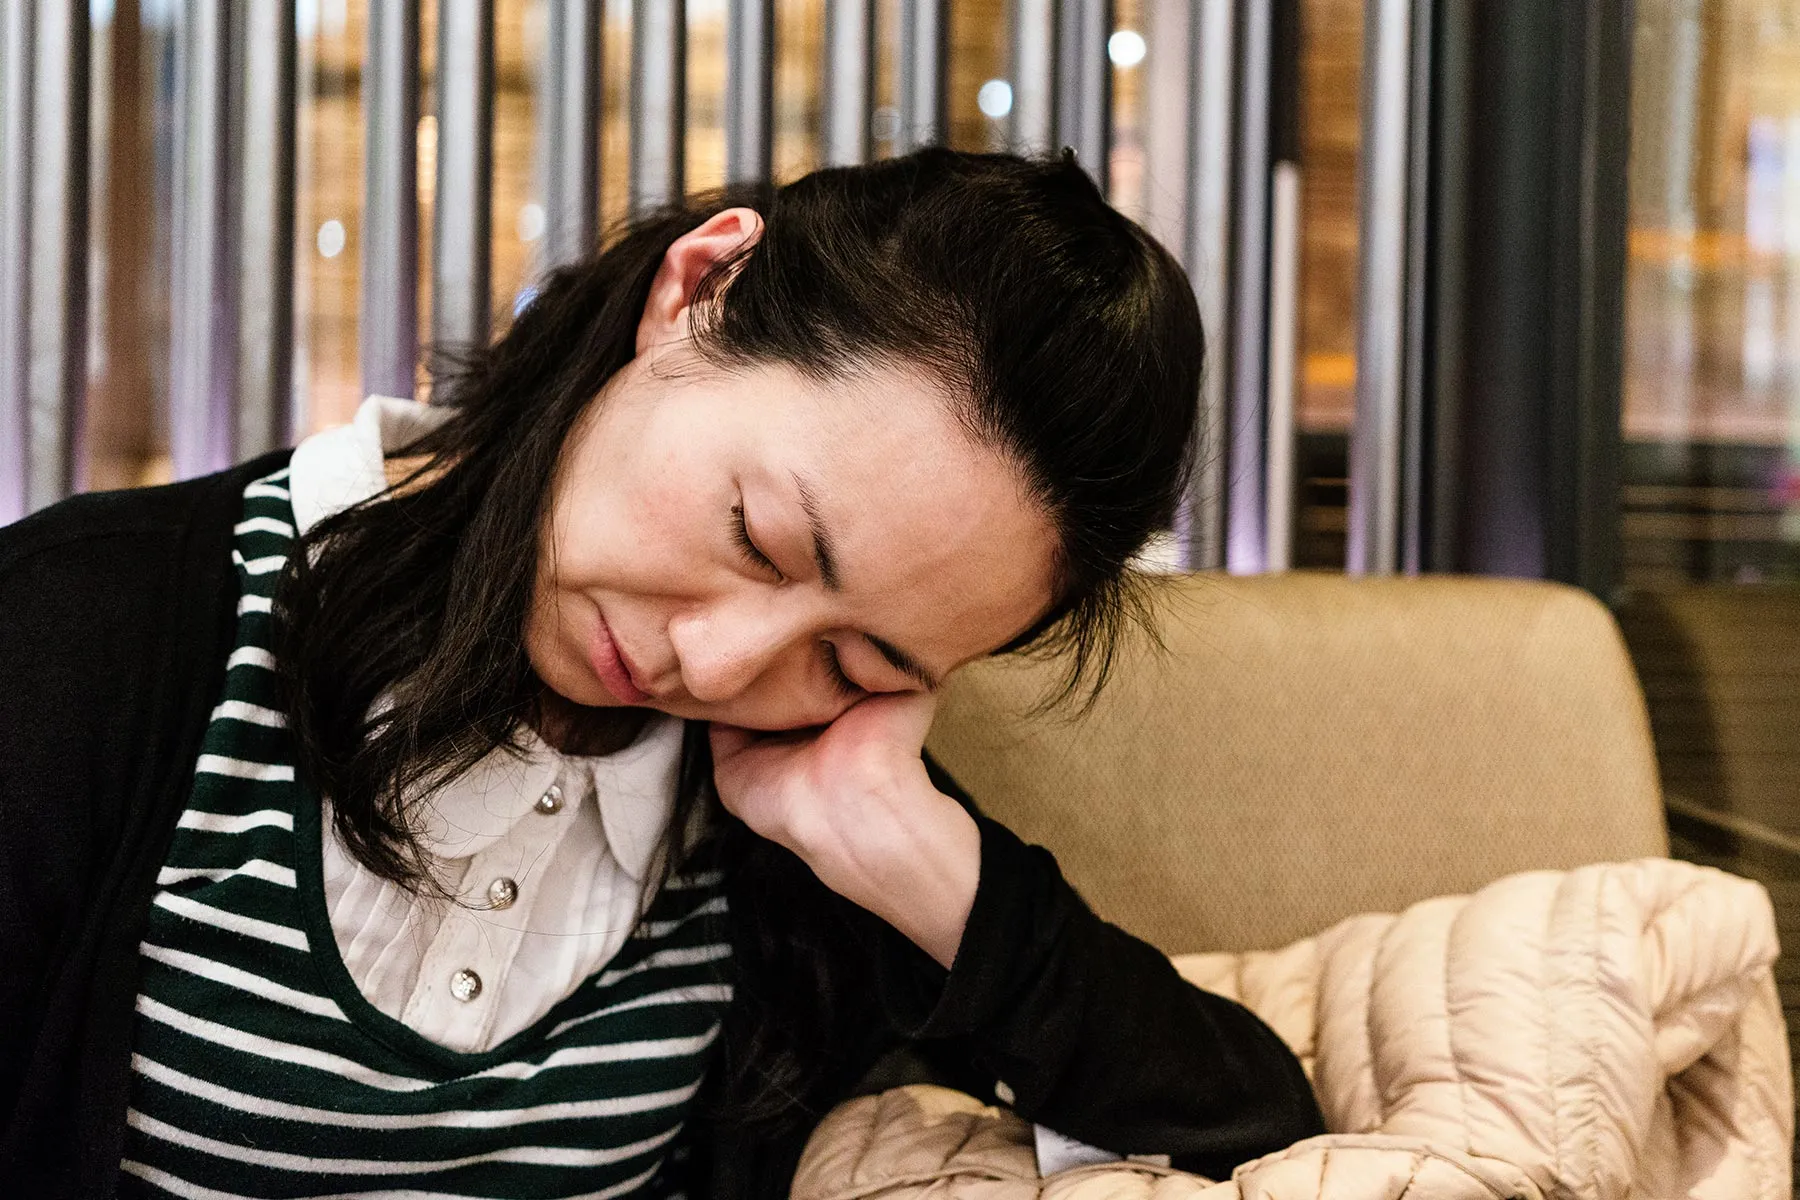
column 116, row 616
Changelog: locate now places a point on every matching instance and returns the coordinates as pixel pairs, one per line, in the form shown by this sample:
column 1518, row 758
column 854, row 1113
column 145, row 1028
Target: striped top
column 259, row 1068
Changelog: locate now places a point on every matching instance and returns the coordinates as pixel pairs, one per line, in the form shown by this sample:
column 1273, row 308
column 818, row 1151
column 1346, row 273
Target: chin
column 571, row 680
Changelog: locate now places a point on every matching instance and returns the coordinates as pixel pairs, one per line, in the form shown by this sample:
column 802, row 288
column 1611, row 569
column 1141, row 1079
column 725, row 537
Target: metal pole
column 15, row 257
column 749, row 90
column 389, row 319
column 265, row 141
column 1245, row 535
column 1415, row 534
column 59, row 251
column 1168, row 84
column 924, row 35
column 1032, row 124
column 1540, row 257
column 571, row 150
column 461, row 221
column 849, row 80
column 1285, row 188
column 658, row 102
column 1383, row 203
column 202, row 337
column 1442, row 477
column 1598, row 223
column 1084, row 83
column 1211, row 169
column 1284, row 330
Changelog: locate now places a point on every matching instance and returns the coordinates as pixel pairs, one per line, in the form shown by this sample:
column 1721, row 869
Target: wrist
column 925, row 887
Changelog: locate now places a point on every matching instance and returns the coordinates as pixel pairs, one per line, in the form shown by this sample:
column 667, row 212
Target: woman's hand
column 853, row 800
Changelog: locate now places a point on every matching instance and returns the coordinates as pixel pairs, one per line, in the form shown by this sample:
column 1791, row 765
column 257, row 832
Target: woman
column 524, row 794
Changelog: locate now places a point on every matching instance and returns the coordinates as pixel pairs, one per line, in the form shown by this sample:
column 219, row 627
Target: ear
column 666, row 312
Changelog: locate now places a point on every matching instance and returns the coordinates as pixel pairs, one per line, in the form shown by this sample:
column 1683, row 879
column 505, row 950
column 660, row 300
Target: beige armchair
column 1306, row 748
column 1316, row 746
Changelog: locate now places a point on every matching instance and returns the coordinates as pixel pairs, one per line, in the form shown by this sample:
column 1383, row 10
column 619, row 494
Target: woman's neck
column 586, row 732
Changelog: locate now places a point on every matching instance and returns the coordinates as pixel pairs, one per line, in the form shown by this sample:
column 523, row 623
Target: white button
column 502, row 893
column 551, row 801
column 465, row 985
column 1002, row 1092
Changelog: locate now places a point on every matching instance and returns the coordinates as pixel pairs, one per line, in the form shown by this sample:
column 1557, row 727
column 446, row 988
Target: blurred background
column 1510, row 288
column 1703, row 103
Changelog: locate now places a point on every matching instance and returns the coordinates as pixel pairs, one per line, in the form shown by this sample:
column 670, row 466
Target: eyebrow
column 905, row 663
column 826, row 559
column 821, row 538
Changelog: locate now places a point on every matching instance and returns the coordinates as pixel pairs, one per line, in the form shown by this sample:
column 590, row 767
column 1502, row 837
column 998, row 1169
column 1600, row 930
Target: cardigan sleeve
column 1089, row 1031
column 116, row 612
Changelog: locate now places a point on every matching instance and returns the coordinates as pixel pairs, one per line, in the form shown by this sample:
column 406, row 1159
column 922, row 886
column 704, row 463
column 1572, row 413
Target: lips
column 614, row 672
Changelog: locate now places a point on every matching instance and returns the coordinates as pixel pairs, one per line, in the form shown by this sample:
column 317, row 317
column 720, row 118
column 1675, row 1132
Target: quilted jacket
column 1606, row 1033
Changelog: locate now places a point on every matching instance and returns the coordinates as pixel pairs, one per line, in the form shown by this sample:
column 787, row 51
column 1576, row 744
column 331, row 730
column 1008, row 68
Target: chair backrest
column 1717, row 665
column 1311, row 746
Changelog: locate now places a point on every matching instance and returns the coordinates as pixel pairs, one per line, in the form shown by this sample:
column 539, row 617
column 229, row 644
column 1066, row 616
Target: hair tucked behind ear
column 1068, row 338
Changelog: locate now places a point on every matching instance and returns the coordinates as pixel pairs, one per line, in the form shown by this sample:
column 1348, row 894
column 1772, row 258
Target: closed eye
column 740, row 534
column 835, row 669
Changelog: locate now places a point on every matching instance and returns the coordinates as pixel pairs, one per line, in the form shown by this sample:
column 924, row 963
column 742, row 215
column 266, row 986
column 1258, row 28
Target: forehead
column 938, row 544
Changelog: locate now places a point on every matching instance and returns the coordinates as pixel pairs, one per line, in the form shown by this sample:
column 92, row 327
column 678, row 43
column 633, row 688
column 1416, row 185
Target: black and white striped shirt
column 259, row 1068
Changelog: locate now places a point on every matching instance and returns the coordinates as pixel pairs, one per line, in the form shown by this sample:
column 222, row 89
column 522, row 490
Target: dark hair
column 1068, row 337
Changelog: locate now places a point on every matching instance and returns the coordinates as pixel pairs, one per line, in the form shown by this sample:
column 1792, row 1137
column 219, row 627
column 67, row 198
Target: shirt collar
column 636, row 787
column 479, row 807
column 633, row 788
column 338, row 467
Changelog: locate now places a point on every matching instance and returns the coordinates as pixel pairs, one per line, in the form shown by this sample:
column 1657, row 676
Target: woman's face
column 722, row 546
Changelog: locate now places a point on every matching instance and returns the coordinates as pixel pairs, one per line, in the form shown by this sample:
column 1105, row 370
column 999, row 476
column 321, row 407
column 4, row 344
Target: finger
column 906, row 717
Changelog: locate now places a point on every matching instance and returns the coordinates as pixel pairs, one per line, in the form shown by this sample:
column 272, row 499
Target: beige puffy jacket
column 1606, row 1033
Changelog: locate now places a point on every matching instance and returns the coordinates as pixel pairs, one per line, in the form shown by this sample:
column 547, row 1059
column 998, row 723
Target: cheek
column 642, row 536
column 550, row 636
column 544, row 618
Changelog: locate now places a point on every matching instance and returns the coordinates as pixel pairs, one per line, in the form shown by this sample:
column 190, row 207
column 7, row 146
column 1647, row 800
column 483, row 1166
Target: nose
column 725, row 647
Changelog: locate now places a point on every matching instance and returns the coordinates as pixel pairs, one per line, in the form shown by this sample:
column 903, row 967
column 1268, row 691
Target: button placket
column 473, row 953
column 453, row 1001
